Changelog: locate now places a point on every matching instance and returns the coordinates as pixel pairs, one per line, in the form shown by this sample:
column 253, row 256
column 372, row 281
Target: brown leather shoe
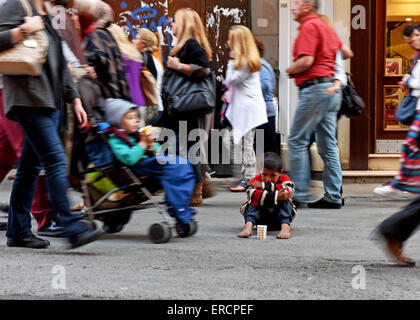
column 197, row 197
column 395, row 248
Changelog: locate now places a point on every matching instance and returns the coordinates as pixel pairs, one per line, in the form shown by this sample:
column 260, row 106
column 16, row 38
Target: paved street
column 316, row 263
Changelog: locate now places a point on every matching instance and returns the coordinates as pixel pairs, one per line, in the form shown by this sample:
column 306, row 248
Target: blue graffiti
column 148, row 16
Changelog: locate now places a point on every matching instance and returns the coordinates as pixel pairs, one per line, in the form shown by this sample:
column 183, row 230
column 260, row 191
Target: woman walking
column 147, row 43
column 191, row 56
column 406, row 184
column 247, row 109
column 268, row 85
column 35, row 103
column 100, row 48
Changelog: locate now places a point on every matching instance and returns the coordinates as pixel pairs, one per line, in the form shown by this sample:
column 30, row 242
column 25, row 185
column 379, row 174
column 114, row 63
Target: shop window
column 398, row 55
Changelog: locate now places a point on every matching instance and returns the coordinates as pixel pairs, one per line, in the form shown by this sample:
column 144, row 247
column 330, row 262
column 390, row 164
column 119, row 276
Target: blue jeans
column 316, row 113
column 283, row 213
column 42, row 148
column 178, row 181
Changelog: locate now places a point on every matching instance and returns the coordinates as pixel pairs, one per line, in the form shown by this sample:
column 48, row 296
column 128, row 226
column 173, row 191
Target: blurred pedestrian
column 148, row 44
column 191, row 56
column 268, row 86
column 247, row 109
column 100, row 48
column 396, row 230
column 406, row 185
column 36, row 107
column 313, row 69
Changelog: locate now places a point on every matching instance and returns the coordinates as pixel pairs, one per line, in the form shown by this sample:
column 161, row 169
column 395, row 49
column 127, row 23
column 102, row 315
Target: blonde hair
column 244, row 48
column 126, row 47
column 149, row 39
column 158, row 52
column 190, row 26
column 326, row 20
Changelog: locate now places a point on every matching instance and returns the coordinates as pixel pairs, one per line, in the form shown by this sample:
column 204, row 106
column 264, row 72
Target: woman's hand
column 32, row 24
column 80, row 113
column 173, row 62
column 403, row 82
column 91, row 71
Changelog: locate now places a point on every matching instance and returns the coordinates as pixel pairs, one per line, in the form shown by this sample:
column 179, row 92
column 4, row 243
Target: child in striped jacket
column 269, row 202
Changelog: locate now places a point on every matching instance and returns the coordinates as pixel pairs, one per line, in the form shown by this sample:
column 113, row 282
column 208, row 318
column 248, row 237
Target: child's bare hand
column 256, row 185
column 149, row 139
column 285, row 196
column 142, row 143
column 150, row 147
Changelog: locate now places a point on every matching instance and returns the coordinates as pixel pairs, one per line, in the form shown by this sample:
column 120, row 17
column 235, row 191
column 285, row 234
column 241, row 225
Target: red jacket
column 267, row 197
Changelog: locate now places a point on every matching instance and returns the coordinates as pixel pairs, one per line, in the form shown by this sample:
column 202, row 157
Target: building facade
column 371, row 141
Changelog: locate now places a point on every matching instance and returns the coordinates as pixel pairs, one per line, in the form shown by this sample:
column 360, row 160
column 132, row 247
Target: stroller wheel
column 160, row 232
column 113, row 228
column 193, row 228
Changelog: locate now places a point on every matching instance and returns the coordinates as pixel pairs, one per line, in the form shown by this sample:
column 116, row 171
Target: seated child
column 140, row 152
column 269, row 202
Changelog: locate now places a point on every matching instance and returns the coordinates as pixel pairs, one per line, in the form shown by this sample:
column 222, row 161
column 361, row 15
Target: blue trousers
column 283, row 213
column 178, row 181
column 42, row 148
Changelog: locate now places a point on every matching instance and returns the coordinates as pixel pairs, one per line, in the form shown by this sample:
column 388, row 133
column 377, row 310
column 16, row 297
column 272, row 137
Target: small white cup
column 261, row 232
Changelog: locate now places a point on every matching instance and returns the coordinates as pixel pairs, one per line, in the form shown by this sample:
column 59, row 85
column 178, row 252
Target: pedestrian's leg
column 402, row 225
column 328, row 150
column 41, row 206
column 19, row 219
column 397, row 229
column 249, row 159
column 252, row 216
column 308, row 114
column 42, row 135
column 7, row 158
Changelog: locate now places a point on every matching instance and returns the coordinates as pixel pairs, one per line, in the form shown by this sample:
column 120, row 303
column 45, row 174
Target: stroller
column 103, row 177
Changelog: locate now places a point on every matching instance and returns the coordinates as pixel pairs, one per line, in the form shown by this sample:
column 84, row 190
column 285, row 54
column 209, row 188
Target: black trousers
column 403, row 224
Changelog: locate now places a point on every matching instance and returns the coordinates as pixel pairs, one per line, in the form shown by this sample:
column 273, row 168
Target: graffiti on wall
column 153, row 15
column 217, row 18
column 148, row 16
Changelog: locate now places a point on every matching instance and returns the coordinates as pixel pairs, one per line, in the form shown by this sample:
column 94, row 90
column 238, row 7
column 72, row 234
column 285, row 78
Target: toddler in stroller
column 141, row 154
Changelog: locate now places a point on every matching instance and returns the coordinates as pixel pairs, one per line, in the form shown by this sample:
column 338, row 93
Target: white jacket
column 414, row 83
column 247, row 109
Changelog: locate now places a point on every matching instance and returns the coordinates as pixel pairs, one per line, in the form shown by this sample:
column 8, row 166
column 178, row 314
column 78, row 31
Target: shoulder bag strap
column 27, row 7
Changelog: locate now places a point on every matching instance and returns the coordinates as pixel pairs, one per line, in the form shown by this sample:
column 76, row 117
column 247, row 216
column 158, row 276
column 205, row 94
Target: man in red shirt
column 313, row 69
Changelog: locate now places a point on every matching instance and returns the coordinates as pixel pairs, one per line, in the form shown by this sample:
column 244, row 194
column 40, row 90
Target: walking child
column 269, row 200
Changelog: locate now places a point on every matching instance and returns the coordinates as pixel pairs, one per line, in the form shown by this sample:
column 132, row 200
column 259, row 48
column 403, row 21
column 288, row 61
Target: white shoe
column 390, row 191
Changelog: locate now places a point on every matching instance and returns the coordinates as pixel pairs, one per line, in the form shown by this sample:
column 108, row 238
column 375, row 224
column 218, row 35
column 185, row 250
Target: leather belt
column 315, row 81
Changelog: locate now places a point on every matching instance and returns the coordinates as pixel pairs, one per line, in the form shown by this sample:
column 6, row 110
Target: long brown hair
column 245, row 49
column 189, row 25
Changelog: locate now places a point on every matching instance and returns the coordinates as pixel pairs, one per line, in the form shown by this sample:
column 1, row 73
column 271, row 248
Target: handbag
column 28, row 56
column 182, row 95
column 352, row 104
column 406, row 111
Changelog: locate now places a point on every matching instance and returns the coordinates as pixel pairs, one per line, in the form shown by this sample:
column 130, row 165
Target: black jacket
column 30, row 91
